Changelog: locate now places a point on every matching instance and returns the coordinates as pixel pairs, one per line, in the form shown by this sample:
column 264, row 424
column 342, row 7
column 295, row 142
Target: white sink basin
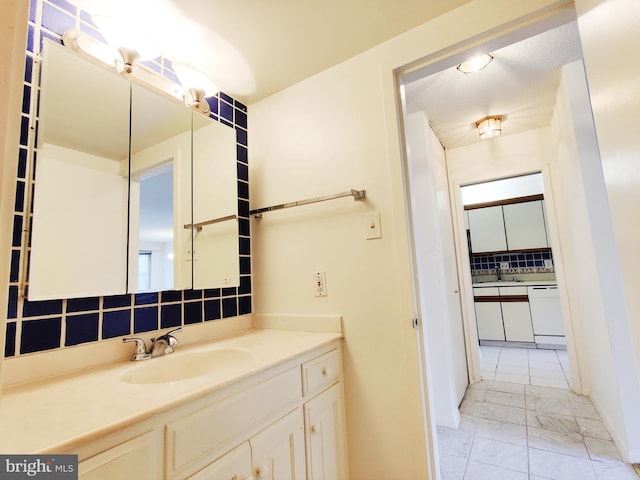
column 184, row 365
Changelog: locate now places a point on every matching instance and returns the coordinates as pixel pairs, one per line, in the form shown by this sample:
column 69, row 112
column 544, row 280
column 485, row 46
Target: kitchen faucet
column 163, row 345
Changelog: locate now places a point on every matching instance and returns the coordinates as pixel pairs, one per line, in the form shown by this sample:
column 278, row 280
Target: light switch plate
column 372, row 225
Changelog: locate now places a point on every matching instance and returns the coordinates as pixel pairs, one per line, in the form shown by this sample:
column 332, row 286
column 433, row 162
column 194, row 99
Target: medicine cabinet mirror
column 124, row 176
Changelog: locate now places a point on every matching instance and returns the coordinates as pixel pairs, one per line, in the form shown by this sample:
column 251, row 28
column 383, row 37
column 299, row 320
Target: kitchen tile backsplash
column 519, row 262
column 44, row 325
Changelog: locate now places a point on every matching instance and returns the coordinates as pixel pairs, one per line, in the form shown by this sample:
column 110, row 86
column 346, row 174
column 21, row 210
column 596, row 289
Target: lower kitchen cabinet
column 517, row 321
column 503, row 314
column 489, row 321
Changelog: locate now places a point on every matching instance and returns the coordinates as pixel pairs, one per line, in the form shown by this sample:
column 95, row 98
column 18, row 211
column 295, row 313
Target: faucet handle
column 140, row 352
column 171, row 339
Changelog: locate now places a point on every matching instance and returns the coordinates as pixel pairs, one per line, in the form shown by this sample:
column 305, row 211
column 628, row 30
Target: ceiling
column 254, row 48
column 521, row 84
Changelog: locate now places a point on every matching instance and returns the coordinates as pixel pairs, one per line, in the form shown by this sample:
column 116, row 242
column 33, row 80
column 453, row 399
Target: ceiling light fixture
column 475, row 64
column 489, row 127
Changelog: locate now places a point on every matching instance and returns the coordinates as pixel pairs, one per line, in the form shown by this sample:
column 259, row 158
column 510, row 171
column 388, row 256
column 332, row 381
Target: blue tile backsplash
column 45, row 325
column 519, row 262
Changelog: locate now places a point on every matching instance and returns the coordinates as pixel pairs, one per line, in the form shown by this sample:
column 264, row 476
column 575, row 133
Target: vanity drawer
column 321, row 372
column 202, row 436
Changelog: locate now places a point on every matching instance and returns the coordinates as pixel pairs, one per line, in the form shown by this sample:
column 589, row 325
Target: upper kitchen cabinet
column 486, row 227
column 509, row 225
column 524, row 225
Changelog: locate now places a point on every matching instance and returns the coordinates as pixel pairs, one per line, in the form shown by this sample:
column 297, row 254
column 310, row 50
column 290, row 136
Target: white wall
column 590, row 258
column 441, row 325
column 334, row 131
column 14, row 14
column 610, row 37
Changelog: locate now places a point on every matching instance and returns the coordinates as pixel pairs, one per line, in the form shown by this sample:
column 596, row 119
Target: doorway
column 446, row 102
column 513, row 279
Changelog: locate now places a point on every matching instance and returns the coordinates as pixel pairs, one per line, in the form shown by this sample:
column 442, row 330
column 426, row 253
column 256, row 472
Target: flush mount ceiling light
column 489, row 127
column 475, row 64
column 197, row 84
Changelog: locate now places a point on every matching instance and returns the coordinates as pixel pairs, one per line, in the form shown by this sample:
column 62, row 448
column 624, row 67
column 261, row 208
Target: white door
column 436, row 266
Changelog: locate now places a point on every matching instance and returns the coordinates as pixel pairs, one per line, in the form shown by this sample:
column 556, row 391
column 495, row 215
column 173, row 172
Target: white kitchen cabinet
column 135, row 458
column 489, row 321
column 524, row 226
column 517, row 321
column 324, row 420
column 486, row 227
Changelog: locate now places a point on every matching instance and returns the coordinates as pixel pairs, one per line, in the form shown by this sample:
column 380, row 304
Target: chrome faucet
column 163, row 345
column 140, row 352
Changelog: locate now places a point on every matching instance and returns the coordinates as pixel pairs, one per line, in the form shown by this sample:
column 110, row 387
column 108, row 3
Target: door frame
column 464, row 271
column 435, row 63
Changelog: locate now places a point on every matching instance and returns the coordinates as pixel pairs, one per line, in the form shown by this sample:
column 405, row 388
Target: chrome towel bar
column 356, row 194
column 198, row 226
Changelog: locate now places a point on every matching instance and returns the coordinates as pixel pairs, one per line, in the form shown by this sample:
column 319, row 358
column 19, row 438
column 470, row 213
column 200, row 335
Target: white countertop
column 50, row 415
column 511, row 283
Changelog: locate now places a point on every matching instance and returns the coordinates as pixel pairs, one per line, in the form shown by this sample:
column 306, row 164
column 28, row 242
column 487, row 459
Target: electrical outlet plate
column 320, row 284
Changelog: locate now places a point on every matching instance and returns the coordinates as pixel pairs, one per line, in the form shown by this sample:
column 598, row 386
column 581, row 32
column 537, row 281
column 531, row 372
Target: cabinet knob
column 325, row 371
column 262, row 471
column 315, row 428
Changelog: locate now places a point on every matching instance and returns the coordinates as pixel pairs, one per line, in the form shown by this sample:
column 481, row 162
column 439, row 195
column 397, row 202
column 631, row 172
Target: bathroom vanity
column 259, row 404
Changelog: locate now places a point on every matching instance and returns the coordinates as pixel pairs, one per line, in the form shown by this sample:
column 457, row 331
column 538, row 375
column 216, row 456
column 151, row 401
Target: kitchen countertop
column 51, row 415
column 512, row 283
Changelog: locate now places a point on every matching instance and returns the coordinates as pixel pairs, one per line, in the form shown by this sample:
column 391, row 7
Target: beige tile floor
column 522, row 423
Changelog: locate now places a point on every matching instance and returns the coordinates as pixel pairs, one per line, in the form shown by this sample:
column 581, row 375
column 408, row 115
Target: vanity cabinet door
column 235, row 465
column 325, row 442
column 136, row 458
column 278, row 451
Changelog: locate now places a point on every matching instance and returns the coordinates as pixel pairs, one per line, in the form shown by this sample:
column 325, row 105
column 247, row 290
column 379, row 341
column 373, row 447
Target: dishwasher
column 546, row 316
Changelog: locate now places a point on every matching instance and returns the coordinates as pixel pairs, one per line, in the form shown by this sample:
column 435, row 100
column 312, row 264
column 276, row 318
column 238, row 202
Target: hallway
column 517, row 424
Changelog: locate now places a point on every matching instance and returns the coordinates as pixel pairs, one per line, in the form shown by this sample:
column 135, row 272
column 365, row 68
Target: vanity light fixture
column 489, row 127
column 475, row 64
column 129, row 41
column 197, row 86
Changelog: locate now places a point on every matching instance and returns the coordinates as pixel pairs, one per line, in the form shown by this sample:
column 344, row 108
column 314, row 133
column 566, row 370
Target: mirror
column 160, row 192
column 78, row 240
column 215, row 210
column 171, row 184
